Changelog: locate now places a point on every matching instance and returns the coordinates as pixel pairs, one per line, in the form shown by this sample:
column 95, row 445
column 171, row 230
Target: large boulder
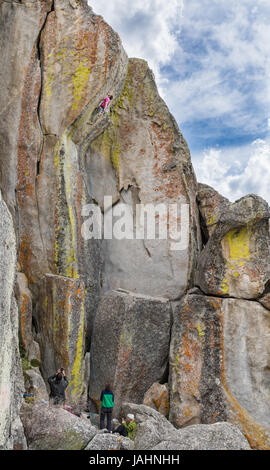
column 235, row 260
column 53, row 428
column 11, row 378
column 62, row 325
column 154, row 432
column 130, row 345
column 219, row 365
column 218, row 436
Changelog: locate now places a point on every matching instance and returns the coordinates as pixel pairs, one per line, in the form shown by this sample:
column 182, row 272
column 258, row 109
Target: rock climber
column 128, row 428
column 107, row 404
column 104, row 105
column 58, row 384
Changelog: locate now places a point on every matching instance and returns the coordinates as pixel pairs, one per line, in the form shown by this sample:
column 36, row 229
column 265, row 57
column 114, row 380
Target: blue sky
column 211, row 59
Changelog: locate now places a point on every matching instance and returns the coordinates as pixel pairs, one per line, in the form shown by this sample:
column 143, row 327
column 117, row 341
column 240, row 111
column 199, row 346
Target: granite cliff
column 134, row 312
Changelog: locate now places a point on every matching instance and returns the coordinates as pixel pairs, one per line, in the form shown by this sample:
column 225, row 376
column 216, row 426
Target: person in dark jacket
column 107, row 404
column 58, row 384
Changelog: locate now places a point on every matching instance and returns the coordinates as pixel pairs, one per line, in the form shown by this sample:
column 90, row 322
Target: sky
column 211, row 60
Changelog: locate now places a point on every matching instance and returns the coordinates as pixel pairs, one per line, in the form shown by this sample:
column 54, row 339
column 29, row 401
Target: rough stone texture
column 11, row 379
column 154, row 432
column 20, row 25
column 52, row 428
column 56, row 155
column 35, row 384
column 219, row 365
column 66, row 156
column 219, row 436
column 81, row 58
column 211, row 206
column 110, row 442
column 24, row 299
column 61, row 324
column 157, row 397
column 265, row 300
column 195, row 362
column 28, row 345
column 86, row 381
column 235, row 261
column 152, row 163
column 130, row 345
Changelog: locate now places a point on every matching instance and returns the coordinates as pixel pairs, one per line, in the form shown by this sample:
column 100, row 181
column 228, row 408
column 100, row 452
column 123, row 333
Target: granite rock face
column 218, row 436
column 11, row 378
column 59, row 160
column 235, row 260
column 219, row 365
column 196, row 394
column 152, row 163
column 130, row 345
column 61, row 323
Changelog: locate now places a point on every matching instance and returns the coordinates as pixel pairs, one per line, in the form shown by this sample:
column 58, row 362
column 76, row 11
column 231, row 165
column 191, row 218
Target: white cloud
column 223, row 63
column 147, row 28
column 224, row 170
column 215, row 79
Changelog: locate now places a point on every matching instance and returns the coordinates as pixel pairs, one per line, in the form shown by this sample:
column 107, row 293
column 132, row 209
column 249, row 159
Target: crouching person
column 128, row 428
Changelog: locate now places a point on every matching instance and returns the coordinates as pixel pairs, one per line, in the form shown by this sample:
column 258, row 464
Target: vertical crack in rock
column 39, row 56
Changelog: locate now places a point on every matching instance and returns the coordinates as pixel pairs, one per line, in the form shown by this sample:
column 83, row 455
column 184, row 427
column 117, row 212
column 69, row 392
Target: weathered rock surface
column 56, row 156
column 61, row 323
column 196, row 394
column 104, row 441
column 157, row 397
column 29, row 346
column 211, row 206
column 20, row 25
column 218, row 436
column 154, row 432
column 52, row 428
column 130, row 345
column 235, row 261
column 11, row 379
column 152, row 163
column 219, row 365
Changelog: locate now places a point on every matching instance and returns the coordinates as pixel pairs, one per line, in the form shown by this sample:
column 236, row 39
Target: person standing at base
column 107, row 404
column 58, row 384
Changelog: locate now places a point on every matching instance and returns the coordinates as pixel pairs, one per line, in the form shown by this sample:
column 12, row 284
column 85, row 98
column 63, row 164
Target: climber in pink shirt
column 104, row 106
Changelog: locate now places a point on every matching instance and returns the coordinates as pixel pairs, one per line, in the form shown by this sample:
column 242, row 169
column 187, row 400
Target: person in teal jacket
column 107, row 404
